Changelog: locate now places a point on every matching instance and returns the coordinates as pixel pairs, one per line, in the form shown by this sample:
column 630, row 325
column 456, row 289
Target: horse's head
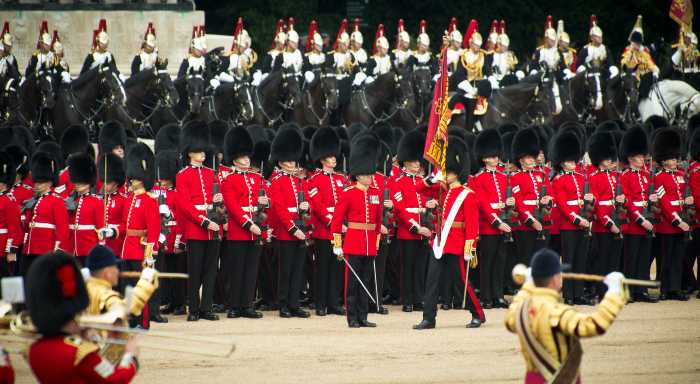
column 587, row 85
column 44, row 82
column 422, row 82
column 243, row 98
column 329, row 86
column 630, row 88
column 10, row 94
column 549, row 92
column 110, row 87
column 194, row 85
column 291, row 90
column 164, row 87
column 404, row 87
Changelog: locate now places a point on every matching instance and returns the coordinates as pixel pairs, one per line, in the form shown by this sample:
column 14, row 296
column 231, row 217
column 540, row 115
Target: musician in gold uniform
column 548, row 330
column 636, row 58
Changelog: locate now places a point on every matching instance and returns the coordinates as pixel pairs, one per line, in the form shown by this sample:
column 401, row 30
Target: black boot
column 424, row 324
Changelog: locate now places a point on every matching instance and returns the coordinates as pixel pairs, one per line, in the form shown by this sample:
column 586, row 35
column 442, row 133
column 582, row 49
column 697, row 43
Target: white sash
column 447, row 225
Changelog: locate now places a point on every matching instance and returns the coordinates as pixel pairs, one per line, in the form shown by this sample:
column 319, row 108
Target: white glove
column 520, row 75
column 107, row 232
column 468, row 257
column 436, row 178
column 122, row 77
column 163, row 209
column 65, row 77
column 148, row 274
column 360, row 77
column 656, row 74
column 309, row 77
column 338, row 251
column 494, row 82
column 436, row 77
column 568, row 74
column 614, row 282
column 614, row 71
column 369, row 80
column 581, row 68
column 161, row 238
column 467, row 88
column 257, row 77
column 226, row 78
column 214, row 83
column 533, row 72
column 85, row 273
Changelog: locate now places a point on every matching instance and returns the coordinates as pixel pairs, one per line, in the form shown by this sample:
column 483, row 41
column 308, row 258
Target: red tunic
column 408, row 205
column 7, row 374
column 527, row 187
column 362, row 207
column 11, row 235
column 324, row 190
column 240, row 191
column 603, row 188
column 140, row 214
column 694, row 181
column 464, row 230
column 378, row 181
column 84, row 223
column 490, row 190
column 670, row 188
column 635, row 187
column 174, row 229
column 194, row 187
column 64, row 187
column 21, row 192
column 569, row 197
column 115, row 208
column 61, row 359
column 48, row 225
column 285, row 205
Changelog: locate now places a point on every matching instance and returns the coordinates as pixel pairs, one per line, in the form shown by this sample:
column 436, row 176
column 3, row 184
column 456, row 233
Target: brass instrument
column 161, row 275
column 520, row 272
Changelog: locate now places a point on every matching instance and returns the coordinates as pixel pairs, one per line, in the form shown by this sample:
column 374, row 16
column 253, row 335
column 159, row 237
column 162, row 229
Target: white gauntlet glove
column 164, row 210
column 309, row 77
column 149, row 274
column 214, row 83
column 614, row 282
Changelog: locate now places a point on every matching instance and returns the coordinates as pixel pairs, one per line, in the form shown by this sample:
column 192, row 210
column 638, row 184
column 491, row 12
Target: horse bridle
column 326, row 92
column 196, row 92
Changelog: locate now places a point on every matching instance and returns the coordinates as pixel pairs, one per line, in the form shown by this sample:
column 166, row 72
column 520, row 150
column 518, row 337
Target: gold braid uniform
column 475, row 67
column 638, row 61
column 103, row 297
column 557, row 326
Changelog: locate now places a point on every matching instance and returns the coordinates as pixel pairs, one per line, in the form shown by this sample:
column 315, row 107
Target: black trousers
column 605, row 256
column 176, row 288
column 672, row 250
column 379, row 271
column 492, row 261
column 26, row 262
column 202, row 260
column 692, row 253
column 326, row 279
column 393, row 269
column 240, row 263
column 222, row 279
column 414, row 255
column 447, row 266
column 511, row 254
column 526, row 244
column 574, row 247
column 292, row 256
column 356, row 299
column 637, row 250
column 7, row 268
column 268, row 273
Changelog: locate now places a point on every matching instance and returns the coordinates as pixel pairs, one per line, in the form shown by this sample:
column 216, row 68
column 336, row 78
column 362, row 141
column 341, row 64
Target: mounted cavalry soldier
column 344, row 61
column 356, row 41
column 595, row 55
column 422, row 57
column 400, row 55
column 492, row 39
column 502, row 63
column 195, row 60
column 454, row 47
column 472, row 89
column 547, row 56
column 60, row 65
column 148, row 56
column 100, row 54
column 273, row 58
column 380, row 63
column 8, row 62
column 567, row 53
column 238, row 62
column 636, row 58
column 43, row 58
column 291, row 57
column 315, row 60
column 685, row 58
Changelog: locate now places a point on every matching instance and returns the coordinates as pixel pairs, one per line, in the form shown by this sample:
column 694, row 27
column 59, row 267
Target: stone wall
column 125, row 28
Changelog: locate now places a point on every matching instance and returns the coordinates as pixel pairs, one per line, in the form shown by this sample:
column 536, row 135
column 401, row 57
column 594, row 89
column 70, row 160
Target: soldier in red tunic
column 325, row 188
column 290, row 203
column 574, row 226
column 195, row 187
column 19, row 189
column 112, row 177
column 11, row 235
column 639, row 229
column 456, row 243
column 56, row 294
column 245, row 197
column 694, row 182
column 361, row 207
column 112, row 139
column 75, row 139
column 490, row 186
column 45, row 214
column 87, row 217
column 672, row 228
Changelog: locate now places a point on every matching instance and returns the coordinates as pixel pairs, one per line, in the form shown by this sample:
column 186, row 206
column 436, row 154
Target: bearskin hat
column 667, row 145
column 602, row 146
column 237, row 143
column 576, row 128
column 526, row 142
column 81, row 169
column 385, row 133
column 261, row 145
column 112, row 135
column 140, row 165
column 565, row 147
column 287, row 146
column 167, row 165
column 634, row 142
column 458, row 158
column 167, row 138
column 411, row 146
column 111, row 169
column 507, row 127
column 355, row 129
column 75, row 139
column 218, row 129
column 56, row 292
column 194, row 137
column 54, row 149
column 44, row 168
column 20, row 158
column 654, row 122
column 18, row 135
column 8, row 169
column 364, row 152
column 694, row 146
column 324, row 143
column 507, row 140
column 488, row 144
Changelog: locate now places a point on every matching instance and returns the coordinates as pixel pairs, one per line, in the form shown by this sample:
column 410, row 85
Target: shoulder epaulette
column 82, row 348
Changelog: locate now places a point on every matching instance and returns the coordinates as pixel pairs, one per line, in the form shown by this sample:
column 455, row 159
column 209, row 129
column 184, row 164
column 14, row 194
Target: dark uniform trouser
column 447, row 265
column 692, row 251
column 177, row 288
column 526, row 244
column 492, row 261
column 222, row 278
column 671, row 261
column 637, row 251
column 574, row 247
column 269, row 269
column 327, row 280
column 26, row 262
column 240, row 264
column 413, row 259
column 378, row 271
column 292, row 256
column 393, row 272
column 144, row 318
column 605, row 254
column 356, row 298
column 7, row 269
column 202, row 260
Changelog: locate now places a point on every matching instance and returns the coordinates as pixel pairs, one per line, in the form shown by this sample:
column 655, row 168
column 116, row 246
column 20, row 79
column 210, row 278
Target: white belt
column 293, row 209
column 113, row 226
column 171, row 223
column 3, row 230
column 497, row 205
column 606, row 203
column 574, row 202
column 330, row 209
column 415, row 210
column 676, row 203
column 81, row 227
column 530, row 202
column 42, row 225
column 202, row 207
column 249, row 209
column 640, row 203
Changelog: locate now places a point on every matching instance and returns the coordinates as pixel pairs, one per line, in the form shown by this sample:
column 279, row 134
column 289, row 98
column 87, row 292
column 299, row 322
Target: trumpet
column 161, row 275
column 520, row 273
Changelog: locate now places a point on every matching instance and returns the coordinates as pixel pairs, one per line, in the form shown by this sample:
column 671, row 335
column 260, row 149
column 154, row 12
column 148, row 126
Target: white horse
column 665, row 96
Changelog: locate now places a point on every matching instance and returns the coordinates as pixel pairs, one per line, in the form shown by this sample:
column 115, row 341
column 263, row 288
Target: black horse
column 388, row 95
column 622, row 99
column 584, row 97
column 191, row 89
column 231, row 102
column 525, row 103
column 319, row 100
column 277, row 95
column 37, row 96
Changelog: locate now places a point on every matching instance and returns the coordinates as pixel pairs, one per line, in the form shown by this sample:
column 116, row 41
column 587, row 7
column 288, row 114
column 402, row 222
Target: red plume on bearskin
column 313, row 27
column 343, row 28
column 356, row 25
column 549, row 23
column 453, row 25
column 380, row 33
column 400, row 28
column 594, row 21
column 279, row 28
column 102, row 26
column 502, row 27
column 473, row 27
column 423, row 27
